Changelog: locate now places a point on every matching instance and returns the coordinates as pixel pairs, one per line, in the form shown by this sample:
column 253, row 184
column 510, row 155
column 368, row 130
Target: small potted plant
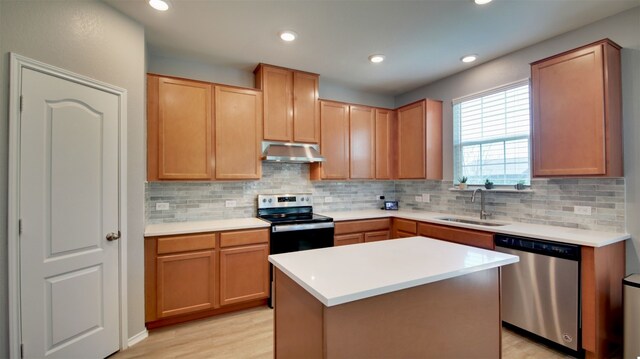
column 462, row 182
column 488, row 184
column 520, row 185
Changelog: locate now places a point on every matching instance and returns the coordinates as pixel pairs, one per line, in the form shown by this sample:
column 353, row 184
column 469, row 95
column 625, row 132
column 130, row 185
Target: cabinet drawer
column 344, row 239
column 240, row 238
column 361, row 226
column 376, row 236
column 186, row 243
column 403, row 225
column 457, row 235
column 401, row 234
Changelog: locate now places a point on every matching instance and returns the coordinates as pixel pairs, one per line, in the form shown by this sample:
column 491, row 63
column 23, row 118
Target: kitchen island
column 411, row 297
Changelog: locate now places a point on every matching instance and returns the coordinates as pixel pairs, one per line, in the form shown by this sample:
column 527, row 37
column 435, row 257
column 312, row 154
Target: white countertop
column 344, row 274
column 553, row 233
column 163, row 229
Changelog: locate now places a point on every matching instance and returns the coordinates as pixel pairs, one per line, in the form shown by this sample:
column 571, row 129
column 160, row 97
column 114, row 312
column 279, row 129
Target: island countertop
column 339, row 275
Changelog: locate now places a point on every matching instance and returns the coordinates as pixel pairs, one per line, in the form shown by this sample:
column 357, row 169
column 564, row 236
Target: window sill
column 505, row 189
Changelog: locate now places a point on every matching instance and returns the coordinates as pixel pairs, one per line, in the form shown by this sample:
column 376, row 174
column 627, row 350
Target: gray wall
column 182, row 67
column 92, row 39
column 622, row 28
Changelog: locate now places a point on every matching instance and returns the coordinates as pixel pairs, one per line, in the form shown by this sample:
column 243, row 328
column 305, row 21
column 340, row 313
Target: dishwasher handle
column 539, row 246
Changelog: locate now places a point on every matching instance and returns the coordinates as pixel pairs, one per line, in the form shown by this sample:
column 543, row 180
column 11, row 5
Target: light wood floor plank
column 249, row 334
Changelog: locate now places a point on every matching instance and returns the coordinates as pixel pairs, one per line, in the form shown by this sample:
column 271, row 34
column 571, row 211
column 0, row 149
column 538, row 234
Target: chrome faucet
column 483, row 213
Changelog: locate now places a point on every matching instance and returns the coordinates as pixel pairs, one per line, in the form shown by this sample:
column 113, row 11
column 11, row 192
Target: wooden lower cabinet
column 403, row 228
column 244, row 273
column 186, row 283
column 344, row 239
column 368, row 230
column 458, row 235
column 198, row 275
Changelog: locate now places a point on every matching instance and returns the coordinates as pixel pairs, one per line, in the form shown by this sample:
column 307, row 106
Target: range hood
column 290, row 152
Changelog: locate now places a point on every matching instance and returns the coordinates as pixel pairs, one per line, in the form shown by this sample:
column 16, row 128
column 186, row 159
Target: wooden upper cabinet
column 385, row 144
column 238, row 114
column 306, row 108
column 179, row 124
column 434, row 139
column 277, row 85
column 334, row 142
column 291, row 109
column 420, row 140
column 576, row 127
column 362, row 136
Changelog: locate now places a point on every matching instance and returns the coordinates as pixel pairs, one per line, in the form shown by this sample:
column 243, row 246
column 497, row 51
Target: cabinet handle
column 113, row 236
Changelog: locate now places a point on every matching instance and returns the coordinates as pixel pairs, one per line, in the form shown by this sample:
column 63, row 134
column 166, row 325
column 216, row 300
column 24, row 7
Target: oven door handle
column 300, row 227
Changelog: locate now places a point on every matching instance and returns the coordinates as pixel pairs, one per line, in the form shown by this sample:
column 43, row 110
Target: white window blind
column 491, row 136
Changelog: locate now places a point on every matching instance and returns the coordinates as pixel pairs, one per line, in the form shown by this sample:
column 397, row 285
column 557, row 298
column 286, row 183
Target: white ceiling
column 423, row 40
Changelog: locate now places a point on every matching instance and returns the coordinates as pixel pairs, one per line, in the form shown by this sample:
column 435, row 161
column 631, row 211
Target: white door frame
column 17, row 64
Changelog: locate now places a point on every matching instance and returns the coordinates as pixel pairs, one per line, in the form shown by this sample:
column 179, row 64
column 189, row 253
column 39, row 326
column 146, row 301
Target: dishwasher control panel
column 554, row 249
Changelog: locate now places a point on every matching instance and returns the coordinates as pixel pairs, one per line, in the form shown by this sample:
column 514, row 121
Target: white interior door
column 69, row 290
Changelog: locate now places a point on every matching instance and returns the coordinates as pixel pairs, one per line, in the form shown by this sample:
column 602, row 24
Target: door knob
column 113, row 236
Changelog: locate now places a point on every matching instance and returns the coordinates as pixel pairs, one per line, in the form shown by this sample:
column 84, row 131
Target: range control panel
column 285, row 200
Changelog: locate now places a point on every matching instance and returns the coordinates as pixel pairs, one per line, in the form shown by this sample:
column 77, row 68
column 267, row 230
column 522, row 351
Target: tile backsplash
column 551, row 202
column 197, row 201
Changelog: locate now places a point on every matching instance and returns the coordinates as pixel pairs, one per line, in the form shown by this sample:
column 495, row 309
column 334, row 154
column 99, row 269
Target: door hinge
column 19, row 226
column 21, row 102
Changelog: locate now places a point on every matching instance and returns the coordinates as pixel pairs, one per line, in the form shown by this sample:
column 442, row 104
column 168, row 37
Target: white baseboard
column 138, row 338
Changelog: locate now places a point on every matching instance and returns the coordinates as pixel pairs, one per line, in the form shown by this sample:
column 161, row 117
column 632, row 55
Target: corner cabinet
column 179, row 125
column 193, row 276
column 420, row 140
column 291, row 112
column 362, row 146
column 576, row 99
column 386, row 134
column 238, row 128
column 334, row 142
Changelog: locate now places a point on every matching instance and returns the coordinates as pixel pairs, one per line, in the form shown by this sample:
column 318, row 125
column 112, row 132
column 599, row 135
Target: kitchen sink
column 471, row 221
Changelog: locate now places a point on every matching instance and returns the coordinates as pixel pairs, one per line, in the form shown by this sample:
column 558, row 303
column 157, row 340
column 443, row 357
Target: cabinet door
column 244, row 274
column 238, row 117
column 411, row 141
column 458, row 235
column 345, row 239
column 434, row 140
column 385, row 146
column 185, row 283
column 362, row 142
column 569, row 114
column 179, row 129
column 334, row 141
column 376, row 236
column 306, row 108
column 404, row 228
column 277, row 85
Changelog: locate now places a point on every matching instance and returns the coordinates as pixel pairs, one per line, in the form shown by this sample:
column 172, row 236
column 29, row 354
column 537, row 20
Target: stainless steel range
column 294, row 226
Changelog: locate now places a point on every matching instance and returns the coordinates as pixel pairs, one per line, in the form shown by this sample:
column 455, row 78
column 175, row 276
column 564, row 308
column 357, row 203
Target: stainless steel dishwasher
column 541, row 293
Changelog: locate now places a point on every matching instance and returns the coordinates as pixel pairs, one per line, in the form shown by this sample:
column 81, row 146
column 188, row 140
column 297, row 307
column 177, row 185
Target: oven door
column 299, row 237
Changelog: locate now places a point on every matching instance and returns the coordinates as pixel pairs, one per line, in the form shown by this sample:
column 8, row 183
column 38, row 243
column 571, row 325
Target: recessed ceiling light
column 288, row 36
column 376, row 59
column 159, row 5
column 469, row 58
column 482, row 2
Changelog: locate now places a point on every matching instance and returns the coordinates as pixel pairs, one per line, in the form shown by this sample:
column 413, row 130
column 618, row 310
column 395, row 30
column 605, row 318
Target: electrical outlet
column 426, row 197
column 229, row 204
column 586, row 210
column 328, row 199
column 418, row 198
column 160, row 206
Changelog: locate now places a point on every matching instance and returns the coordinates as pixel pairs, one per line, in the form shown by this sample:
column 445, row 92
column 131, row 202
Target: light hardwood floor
column 249, row 334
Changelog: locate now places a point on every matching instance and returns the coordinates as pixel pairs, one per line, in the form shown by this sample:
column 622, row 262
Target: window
column 491, row 136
